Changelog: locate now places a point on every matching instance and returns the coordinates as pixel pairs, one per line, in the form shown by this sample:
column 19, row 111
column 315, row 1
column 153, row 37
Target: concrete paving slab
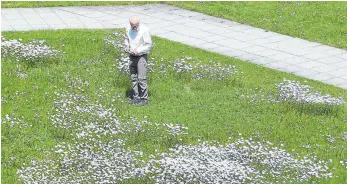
column 7, row 27
column 306, row 73
column 275, row 37
column 343, row 86
column 204, row 17
column 235, row 53
column 117, row 21
column 108, row 9
column 40, row 27
column 9, row 11
column 280, row 56
column 5, row 23
column 26, row 10
column 253, row 49
column 96, row 14
column 148, row 19
column 219, row 31
column 76, row 10
column 267, row 52
column 19, row 22
column 192, row 32
column 273, row 45
column 263, row 61
column 342, row 64
column 344, row 77
column 185, row 13
column 128, row 14
column 276, row 65
column 184, row 20
column 49, row 16
column 241, row 36
column 239, row 28
column 35, row 21
column 5, row 11
column 58, row 26
column 339, row 73
column 44, row 10
column 249, row 57
column 296, row 60
column 223, row 23
column 330, row 60
column 261, row 41
column 343, row 56
column 324, row 68
column 335, row 81
column 55, row 22
column 31, row 16
column 109, row 25
column 321, row 77
column 221, row 50
column 316, row 56
column 107, row 18
column 291, row 43
column 259, row 33
column 161, row 25
column 159, row 31
column 334, row 51
column 181, row 38
column 310, row 65
column 199, row 34
column 208, row 46
column 175, row 27
column 214, row 38
column 323, row 48
column 291, row 68
column 4, row 20
column 297, row 51
column 200, row 25
column 234, row 44
column 12, row 16
column 21, row 27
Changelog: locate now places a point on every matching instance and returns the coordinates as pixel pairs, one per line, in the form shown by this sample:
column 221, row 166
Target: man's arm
column 126, row 41
column 147, row 46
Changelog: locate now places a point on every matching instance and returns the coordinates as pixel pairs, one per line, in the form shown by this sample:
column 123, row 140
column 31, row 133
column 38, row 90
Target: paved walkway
column 308, row 59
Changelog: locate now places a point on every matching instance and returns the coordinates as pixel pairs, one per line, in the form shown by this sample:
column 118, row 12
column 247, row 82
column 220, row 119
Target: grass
column 323, row 22
column 213, row 110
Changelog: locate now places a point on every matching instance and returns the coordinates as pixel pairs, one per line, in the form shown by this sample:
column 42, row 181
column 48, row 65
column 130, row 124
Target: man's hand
column 133, row 52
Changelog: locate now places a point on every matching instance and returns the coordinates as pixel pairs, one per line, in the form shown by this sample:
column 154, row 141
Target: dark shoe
column 134, row 101
column 142, row 103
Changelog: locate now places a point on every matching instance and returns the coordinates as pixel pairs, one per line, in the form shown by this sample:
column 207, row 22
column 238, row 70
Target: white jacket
column 140, row 40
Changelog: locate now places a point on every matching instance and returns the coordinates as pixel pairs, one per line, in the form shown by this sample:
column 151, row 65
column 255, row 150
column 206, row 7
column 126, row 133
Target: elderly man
column 138, row 43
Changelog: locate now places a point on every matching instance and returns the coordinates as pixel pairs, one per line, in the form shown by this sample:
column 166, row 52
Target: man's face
column 134, row 26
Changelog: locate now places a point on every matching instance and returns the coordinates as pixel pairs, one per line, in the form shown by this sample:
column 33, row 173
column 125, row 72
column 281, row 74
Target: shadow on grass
column 35, row 63
column 314, row 109
column 129, row 93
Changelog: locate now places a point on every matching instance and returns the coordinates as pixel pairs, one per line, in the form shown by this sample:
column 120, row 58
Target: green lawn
column 212, row 110
column 323, row 22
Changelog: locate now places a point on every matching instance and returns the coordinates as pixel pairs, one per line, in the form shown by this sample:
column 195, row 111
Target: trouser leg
column 134, row 76
column 142, row 72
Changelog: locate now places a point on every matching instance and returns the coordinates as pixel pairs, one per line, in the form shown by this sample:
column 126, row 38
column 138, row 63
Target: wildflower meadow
column 211, row 118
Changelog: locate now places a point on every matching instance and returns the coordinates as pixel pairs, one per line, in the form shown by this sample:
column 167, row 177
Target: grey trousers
column 138, row 70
